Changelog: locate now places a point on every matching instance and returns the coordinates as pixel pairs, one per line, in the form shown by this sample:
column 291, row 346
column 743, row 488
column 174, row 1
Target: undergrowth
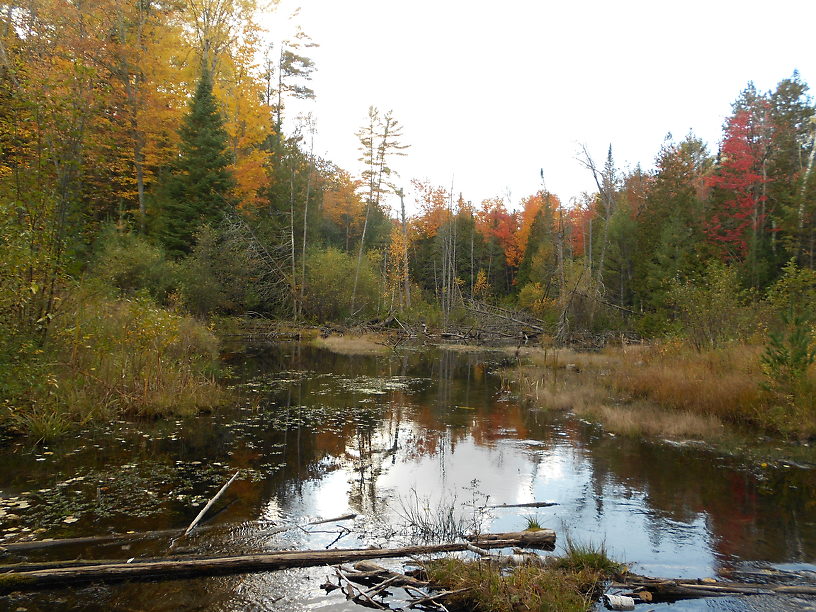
column 106, row 356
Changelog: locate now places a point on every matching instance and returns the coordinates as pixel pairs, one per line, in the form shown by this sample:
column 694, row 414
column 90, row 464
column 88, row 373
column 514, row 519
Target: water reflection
column 321, row 435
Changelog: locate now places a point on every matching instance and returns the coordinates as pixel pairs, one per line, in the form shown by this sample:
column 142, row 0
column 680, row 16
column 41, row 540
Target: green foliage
column 219, row 276
column 712, row 309
column 794, row 294
column 330, row 279
column 128, row 262
column 785, row 363
column 201, row 184
column 534, row 297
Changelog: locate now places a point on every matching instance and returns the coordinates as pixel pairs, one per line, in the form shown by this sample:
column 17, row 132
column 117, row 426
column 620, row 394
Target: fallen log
column 670, row 590
column 540, row 538
column 527, row 505
column 187, row 568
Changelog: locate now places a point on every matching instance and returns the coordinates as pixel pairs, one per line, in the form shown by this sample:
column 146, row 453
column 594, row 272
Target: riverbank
column 105, row 357
column 662, row 390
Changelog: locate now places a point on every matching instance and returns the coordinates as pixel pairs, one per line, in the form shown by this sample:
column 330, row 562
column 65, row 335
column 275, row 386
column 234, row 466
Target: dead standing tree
column 379, row 140
column 606, row 182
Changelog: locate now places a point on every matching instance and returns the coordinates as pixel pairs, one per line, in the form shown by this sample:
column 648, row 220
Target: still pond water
column 317, row 435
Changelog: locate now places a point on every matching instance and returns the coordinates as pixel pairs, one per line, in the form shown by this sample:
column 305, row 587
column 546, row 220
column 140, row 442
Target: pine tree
column 201, row 184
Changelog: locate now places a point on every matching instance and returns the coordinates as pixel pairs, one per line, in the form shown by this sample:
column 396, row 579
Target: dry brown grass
column 647, row 419
column 365, row 344
column 722, row 383
column 551, row 389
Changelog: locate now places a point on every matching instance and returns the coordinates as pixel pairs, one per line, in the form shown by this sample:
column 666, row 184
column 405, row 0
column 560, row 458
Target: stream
column 317, row 435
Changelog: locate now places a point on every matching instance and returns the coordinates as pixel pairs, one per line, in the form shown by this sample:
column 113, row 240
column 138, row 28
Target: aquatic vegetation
column 445, row 518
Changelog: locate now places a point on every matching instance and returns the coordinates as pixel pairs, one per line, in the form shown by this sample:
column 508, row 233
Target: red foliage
column 741, row 212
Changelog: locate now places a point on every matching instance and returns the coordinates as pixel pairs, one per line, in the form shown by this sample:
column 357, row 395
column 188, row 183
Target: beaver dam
column 352, row 474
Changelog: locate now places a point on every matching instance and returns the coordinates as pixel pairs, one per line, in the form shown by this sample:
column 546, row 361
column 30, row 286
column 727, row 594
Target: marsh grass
column 365, row 344
column 723, row 382
column 445, row 519
column 667, row 389
column 532, row 523
column 644, row 418
column 568, row 584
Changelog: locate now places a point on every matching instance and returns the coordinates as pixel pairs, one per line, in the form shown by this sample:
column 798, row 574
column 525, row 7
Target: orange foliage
column 577, row 220
column 530, row 207
column 494, row 222
column 342, row 204
column 434, row 208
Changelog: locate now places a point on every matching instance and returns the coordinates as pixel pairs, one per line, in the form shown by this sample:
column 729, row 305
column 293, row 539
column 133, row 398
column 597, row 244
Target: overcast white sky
column 489, row 92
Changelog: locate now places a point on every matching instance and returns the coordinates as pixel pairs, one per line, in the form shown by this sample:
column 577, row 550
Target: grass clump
column 532, row 523
column 567, row 584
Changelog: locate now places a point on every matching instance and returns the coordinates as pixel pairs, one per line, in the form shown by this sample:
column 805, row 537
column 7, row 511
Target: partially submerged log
column 186, row 568
column 527, row 505
column 657, row 590
column 539, row 538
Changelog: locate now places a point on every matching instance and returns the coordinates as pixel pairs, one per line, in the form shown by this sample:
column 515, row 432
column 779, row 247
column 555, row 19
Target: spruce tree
column 201, row 184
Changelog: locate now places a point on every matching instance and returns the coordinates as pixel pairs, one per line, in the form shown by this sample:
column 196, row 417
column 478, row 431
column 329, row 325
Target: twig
column 210, row 503
column 344, row 517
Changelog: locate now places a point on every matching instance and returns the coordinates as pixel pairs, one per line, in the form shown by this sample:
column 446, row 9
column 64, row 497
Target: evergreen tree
column 201, row 184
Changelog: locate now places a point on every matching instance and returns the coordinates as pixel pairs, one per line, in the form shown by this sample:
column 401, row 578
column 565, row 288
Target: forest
column 149, row 188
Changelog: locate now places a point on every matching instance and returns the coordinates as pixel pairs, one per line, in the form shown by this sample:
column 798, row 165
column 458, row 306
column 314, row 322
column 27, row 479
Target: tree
column 379, row 141
column 201, row 184
column 736, row 221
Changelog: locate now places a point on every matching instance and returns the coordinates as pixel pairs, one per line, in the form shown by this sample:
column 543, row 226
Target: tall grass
column 720, row 382
column 109, row 356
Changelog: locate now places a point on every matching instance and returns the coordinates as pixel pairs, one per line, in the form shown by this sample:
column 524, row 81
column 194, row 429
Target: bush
column 785, row 363
column 330, row 282
column 130, row 263
column 713, row 309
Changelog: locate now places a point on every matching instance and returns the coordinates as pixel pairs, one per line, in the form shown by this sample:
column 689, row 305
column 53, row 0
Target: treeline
column 147, row 183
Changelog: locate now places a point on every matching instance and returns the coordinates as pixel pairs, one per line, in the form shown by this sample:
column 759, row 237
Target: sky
column 491, row 93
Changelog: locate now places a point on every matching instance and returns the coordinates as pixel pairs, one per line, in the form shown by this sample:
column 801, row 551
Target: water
column 317, row 435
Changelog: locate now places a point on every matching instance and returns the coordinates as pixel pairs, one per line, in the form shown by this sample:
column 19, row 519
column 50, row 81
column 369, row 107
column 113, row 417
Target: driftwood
column 186, row 568
column 121, row 538
column 209, row 504
column 646, row 589
column 345, row 517
column 528, row 505
column 103, row 540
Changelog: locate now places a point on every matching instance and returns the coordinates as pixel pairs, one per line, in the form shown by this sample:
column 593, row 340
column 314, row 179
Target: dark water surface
column 322, row 435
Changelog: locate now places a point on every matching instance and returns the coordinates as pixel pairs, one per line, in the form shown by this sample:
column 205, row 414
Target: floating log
column 337, row 519
column 186, row 568
column 527, row 505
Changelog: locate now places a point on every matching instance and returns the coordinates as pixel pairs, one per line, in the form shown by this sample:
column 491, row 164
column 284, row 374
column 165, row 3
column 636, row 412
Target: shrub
column 107, row 356
column 785, row 363
column 713, row 309
column 130, row 263
column 329, row 285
